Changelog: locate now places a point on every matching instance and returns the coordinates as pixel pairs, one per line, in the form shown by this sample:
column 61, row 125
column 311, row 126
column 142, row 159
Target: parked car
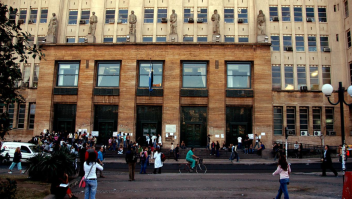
column 28, row 150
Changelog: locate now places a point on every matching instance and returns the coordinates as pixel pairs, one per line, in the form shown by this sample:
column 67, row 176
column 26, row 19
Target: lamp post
column 327, row 90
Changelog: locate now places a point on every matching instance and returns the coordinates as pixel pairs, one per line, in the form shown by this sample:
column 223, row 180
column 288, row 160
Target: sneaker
column 9, row 172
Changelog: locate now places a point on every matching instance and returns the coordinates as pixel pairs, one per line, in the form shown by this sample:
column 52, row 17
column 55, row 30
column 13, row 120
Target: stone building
column 255, row 77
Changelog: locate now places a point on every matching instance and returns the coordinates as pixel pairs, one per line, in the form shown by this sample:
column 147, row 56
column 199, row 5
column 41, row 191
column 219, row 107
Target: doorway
column 105, row 131
column 66, row 126
column 238, row 123
column 193, row 136
column 237, row 130
column 194, row 126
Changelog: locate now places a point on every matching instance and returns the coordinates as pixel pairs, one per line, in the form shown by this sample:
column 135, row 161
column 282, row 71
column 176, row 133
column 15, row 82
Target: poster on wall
column 251, row 136
column 170, row 128
column 114, row 134
column 79, row 130
column 95, row 133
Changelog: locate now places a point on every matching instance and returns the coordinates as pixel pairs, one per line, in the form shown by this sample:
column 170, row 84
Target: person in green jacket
column 190, row 157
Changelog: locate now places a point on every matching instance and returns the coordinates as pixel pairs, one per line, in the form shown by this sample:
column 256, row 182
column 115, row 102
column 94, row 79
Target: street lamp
column 327, row 90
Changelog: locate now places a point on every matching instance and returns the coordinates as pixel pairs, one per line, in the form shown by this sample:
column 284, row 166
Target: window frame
column 325, row 73
column 232, row 37
column 70, row 40
column 147, row 38
column 31, row 116
column 329, row 116
column 44, row 16
column 201, row 37
column 349, row 43
column 227, row 15
column 299, row 45
column 287, row 17
column 187, row 14
column 303, row 122
column 312, row 48
column 11, row 112
column 301, row 70
column 148, row 19
column 322, row 13
column 58, row 73
column 347, row 13
column 275, row 85
column 109, row 16
column 103, row 75
column 273, row 13
column 195, row 62
column 287, row 77
column 21, row 115
column 161, row 15
column 243, row 39
column 71, row 15
column 33, row 16
column 310, row 14
column 325, row 43
column 85, row 16
column 291, row 121
column 274, row 41
column 287, row 42
column 108, row 39
column 203, row 15
column 249, row 77
column 147, row 75
column 278, row 116
column 314, row 77
column 316, row 117
column 298, row 14
column 245, row 15
column 122, row 15
column 158, row 38
column 23, row 15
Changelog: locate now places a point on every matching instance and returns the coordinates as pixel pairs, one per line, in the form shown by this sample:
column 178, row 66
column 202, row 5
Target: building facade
column 228, row 88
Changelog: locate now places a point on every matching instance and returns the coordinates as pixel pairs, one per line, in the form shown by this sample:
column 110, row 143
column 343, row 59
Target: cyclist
column 190, row 157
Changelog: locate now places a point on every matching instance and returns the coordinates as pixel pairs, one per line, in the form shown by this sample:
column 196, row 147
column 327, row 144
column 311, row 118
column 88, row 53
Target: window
column 188, row 38
column 44, row 15
column 81, row 39
column 312, row 43
column 286, row 15
column 335, row 8
column 242, row 38
column 298, row 13
column 347, row 13
column 316, row 118
column 276, row 76
column 108, row 39
column 162, row 13
column 324, row 42
column 310, row 13
column 303, row 118
column 33, row 16
column 329, row 119
column 278, row 120
column 121, row 39
column 21, row 115
column 273, row 12
column 147, row 38
column 31, row 116
column 243, row 14
column 144, row 69
column 314, row 78
column 40, row 38
column 108, row 74
column 148, row 15
column 202, row 39
column 187, row 13
column 229, row 38
column 23, row 16
column 299, row 43
column 12, row 16
column 26, row 73
column 326, row 75
column 229, row 15
column 123, row 16
column 301, row 76
column 203, row 14
column 291, row 119
column 349, row 38
column 351, row 72
column 85, row 16
column 11, row 111
column 275, row 42
column 287, row 41
column 70, row 40
column 322, row 14
column 238, row 75
column 68, row 74
column 110, row 16
column 35, row 75
column 289, row 78
column 194, row 75
column 160, row 38
column 337, row 37
column 72, row 17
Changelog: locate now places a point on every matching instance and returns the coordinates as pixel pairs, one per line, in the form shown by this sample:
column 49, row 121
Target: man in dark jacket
column 177, row 152
column 131, row 159
column 327, row 163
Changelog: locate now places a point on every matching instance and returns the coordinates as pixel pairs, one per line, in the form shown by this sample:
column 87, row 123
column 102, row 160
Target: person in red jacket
column 89, row 150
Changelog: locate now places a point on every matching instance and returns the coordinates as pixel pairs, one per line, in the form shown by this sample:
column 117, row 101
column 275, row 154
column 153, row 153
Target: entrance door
column 237, row 130
column 66, row 126
column 147, row 128
column 105, row 132
column 193, row 135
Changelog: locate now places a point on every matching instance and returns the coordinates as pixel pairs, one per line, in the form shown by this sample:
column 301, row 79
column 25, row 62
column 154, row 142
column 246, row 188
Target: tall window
column 276, row 76
column 275, row 42
column 312, row 43
column 329, row 119
column 301, row 76
column 243, row 39
column 349, row 38
column 21, row 115
column 12, row 17
column 147, row 38
column 85, row 16
column 326, row 75
column 324, row 42
column 187, row 13
column 162, row 13
column 123, row 16
column 303, row 118
column 33, row 16
column 291, row 118
column 11, row 111
column 26, row 73
column 347, row 13
column 238, row 75
column 44, row 15
column 310, row 13
column 67, row 75
column 286, row 15
column 243, row 14
column 316, row 118
column 31, row 116
column 314, row 78
column 278, row 120
column 194, row 75
column 202, row 39
column 144, row 68
column 287, row 41
column 36, row 75
column 23, row 16
column 322, row 14
column 289, row 78
column 299, row 43
column 203, row 14
column 110, row 16
column 298, row 13
column 148, row 15
column 273, row 12
column 160, row 38
column 108, row 74
column 72, row 17
column 108, row 39
column 229, row 38
column 229, row 15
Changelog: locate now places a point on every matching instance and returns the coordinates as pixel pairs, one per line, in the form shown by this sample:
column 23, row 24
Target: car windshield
column 35, row 149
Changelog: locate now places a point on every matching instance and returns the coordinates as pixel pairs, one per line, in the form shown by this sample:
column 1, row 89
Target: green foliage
column 45, row 168
column 8, row 189
column 13, row 47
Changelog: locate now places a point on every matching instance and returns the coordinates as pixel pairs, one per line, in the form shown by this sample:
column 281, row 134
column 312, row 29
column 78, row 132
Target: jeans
column 19, row 166
column 256, row 144
column 239, row 146
column 246, row 150
column 234, row 155
column 114, row 146
column 118, row 143
column 124, row 144
column 191, row 160
column 91, row 189
column 217, row 153
column 213, row 151
column 283, row 188
column 143, row 166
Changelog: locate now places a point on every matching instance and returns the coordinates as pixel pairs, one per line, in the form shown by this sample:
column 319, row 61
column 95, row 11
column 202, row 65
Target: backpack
column 163, row 157
column 142, row 157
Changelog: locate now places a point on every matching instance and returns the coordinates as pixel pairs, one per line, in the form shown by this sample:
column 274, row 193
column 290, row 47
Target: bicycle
column 199, row 168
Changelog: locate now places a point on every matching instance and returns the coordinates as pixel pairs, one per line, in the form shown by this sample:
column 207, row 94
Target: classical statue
column 173, row 23
column 261, row 23
column 93, row 20
column 216, row 22
column 52, row 27
column 132, row 20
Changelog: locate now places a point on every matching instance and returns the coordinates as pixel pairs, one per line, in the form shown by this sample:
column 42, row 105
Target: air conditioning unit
column 326, row 49
column 317, row 133
column 30, row 21
column 82, row 21
column 309, row 19
column 275, row 18
column 331, row 133
column 119, row 21
column 20, row 21
column 288, row 48
column 200, row 20
column 190, row 20
column 304, row 133
column 304, row 88
column 240, row 21
column 111, row 21
column 163, row 20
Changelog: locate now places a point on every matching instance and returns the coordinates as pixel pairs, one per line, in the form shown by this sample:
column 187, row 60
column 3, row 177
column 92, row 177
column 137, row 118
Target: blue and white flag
column 151, row 77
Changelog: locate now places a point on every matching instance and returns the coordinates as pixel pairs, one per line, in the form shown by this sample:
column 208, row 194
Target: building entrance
column 149, row 119
column 64, row 118
column 194, row 126
column 105, row 131
column 238, row 123
column 66, row 126
column 105, row 121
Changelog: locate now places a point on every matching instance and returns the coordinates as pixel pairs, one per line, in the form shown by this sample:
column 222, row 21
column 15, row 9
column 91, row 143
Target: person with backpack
column 131, row 159
column 143, row 155
column 157, row 163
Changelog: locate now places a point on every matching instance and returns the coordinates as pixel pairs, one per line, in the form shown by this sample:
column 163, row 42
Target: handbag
column 82, row 183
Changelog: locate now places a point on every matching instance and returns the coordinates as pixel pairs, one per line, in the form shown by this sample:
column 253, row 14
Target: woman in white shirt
column 284, row 170
column 157, row 163
column 90, row 176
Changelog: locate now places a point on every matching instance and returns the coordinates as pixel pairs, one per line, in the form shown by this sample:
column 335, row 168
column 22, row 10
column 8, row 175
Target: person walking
column 100, row 160
column 90, row 167
column 217, row 148
column 131, row 160
column 212, row 148
column 284, row 170
column 327, row 162
column 143, row 155
column 157, row 162
column 177, row 152
column 16, row 160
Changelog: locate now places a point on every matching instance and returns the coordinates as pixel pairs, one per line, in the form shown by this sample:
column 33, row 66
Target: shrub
column 8, row 189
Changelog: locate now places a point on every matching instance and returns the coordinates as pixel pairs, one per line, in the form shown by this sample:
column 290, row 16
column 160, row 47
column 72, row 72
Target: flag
column 151, row 77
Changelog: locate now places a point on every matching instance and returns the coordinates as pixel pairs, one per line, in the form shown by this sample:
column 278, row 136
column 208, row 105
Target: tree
column 14, row 47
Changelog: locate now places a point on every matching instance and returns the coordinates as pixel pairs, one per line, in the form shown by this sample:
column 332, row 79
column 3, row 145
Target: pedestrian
column 131, row 159
column 177, row 152
column 326, row 161
column 300, row 151
column 217, row 149
column 157, row 163
column 212, row 148
column 239, row 140
column 159, row 141
column 295, row 148
column 256, row 141
column 284, row 169
column 208, row 142
column 124, row 140
column 101, row 159
column 118, row 139
column 128, row 139
column 16, row 160
column 147, row 138
column 261, row 148
column 110, row 143
column 90, row 167
column 143, row 155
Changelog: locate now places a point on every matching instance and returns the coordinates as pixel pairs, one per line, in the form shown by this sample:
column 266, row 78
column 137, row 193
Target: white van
column 28, row 150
